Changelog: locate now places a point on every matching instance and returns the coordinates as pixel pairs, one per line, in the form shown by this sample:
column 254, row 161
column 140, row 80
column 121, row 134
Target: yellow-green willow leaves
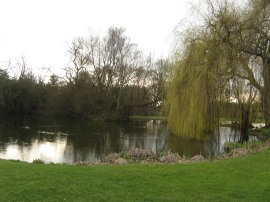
column 217, row 72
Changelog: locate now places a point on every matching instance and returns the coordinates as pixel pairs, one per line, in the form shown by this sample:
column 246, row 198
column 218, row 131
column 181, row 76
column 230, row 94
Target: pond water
column 67, row 142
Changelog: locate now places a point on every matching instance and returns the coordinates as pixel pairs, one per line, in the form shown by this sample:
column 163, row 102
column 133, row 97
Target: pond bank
column 136, row 155
column 262, row 133
column 143, row 156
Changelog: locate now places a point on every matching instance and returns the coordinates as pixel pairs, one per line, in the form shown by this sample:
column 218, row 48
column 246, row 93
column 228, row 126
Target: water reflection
column 153, row 137
column 70, row 142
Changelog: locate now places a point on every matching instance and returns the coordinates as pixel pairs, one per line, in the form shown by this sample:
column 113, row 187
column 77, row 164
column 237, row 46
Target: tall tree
column 228, row 52
column 111, row 63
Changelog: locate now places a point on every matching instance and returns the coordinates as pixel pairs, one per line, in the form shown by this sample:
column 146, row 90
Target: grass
column 236, row 179
column 265, row 131
column 262, row 133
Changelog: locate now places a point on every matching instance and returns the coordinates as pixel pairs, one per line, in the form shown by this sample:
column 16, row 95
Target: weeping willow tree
column 197, row 88
column 217, row 66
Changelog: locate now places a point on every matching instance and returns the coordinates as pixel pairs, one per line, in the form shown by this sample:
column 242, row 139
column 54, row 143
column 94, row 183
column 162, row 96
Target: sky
column 41, row 31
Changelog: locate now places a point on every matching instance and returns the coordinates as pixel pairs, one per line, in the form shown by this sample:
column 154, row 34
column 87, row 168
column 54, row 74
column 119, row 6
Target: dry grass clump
column 240, row 152
column 110, row 158
column 120, row 161
column 80, row 163
column 114, row 158
column 137, row 155
column 197, row 158
column 170, row 158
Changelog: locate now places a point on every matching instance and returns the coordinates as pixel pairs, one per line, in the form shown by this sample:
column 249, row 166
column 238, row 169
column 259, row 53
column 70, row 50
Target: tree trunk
column 266, row 107
column 119, row 103
column 266, row 92
column 244, row 126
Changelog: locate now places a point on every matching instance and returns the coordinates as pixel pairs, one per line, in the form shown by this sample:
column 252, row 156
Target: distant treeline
column 81, row 99
column 108, row 79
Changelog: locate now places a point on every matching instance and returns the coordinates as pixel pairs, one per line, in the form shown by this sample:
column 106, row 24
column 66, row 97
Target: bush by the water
column 137, row 155
column 237, row 149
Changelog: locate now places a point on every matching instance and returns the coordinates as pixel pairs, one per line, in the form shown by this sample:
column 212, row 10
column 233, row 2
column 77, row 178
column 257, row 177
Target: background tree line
column 107, row 78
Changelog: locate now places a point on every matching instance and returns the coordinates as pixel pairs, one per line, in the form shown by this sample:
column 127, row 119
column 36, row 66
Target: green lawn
column 238, row 179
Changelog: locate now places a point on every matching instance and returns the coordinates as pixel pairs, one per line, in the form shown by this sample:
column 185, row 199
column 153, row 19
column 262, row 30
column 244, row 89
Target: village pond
column 67, row 142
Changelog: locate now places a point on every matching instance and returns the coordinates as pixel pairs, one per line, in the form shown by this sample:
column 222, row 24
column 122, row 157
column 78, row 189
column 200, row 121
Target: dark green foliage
column 84, row 99
column 107, row 78
column 20, row 95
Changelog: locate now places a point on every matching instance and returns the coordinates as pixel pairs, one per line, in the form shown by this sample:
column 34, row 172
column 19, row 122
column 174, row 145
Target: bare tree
column 79, row 56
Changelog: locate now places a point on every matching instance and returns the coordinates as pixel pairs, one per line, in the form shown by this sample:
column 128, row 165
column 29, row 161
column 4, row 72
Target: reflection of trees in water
column 224, row 134
column 227, row 134
column 152, row 137
column 106, row 145
column 209, row 148
column 18, row 135
column 81, row 149
column 73, row 154
column 89, row 142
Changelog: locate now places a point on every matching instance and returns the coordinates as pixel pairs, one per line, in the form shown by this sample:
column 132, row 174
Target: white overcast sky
column 41, row 30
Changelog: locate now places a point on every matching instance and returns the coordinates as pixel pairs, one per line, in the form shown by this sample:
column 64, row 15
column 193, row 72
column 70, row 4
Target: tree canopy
column 226, row 59
column 108, row 78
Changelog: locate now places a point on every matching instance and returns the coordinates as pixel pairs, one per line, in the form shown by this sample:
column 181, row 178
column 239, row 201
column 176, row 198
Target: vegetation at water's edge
column 265, row 131
column 262, row 133
column 234, row 149
column 237, row 179
column 145, row 156
column 137, row 155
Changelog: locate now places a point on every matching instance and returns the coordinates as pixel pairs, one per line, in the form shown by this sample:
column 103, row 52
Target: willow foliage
column 222, row 62
column 197, row 88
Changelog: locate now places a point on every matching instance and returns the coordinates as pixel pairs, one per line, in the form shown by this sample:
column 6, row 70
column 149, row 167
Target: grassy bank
column 236, row 179
column 265, row 131
column 262, row 133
